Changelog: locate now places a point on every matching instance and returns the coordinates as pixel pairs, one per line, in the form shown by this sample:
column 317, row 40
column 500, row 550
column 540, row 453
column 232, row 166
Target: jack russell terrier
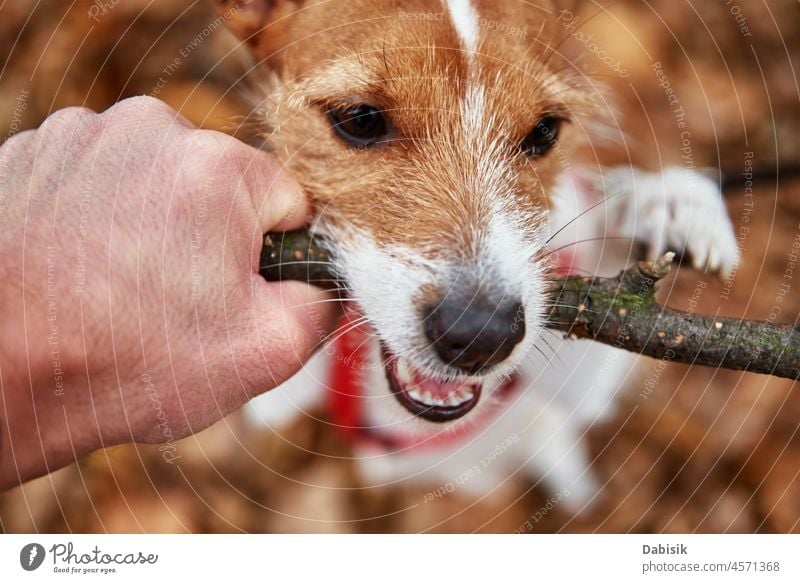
column 440, row 141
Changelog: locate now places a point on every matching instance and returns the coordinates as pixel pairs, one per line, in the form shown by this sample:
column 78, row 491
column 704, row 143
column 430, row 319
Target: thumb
column 278, row 199
column 267, row 199
column 278, row 324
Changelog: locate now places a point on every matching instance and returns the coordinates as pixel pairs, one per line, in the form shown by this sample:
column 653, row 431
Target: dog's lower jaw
column 371, row 379
column 369, row 369
column 428, row 397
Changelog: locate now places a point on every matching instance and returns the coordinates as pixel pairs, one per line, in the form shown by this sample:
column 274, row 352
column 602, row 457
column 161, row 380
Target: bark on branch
column 620, row 311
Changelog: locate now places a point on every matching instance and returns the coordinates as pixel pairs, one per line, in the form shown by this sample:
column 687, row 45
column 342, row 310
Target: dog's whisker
column 349, row 328
column 300, row 262
column 579, row 271
column 561, row 322
column 547, row 359
column 589, row 240
column 562, row 306
column 581, row 214
column 338, row 288
column 554, row 334
column 326, row 301
column 555, row 354
column 573, row 307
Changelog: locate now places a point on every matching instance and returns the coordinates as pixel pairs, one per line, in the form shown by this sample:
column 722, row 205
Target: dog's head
column 428, row 133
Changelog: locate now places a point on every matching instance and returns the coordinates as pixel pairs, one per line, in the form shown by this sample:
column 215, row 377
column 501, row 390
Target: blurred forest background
column 708, row 451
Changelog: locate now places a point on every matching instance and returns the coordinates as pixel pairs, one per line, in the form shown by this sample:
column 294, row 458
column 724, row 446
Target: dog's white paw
column 675, row 210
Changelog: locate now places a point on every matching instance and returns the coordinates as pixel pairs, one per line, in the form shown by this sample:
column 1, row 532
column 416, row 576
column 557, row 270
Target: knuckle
column 70, row 119
column 142, row 105
column 65, row 134
column 217, row 146
column 218, row 154
column 146, row 117
column 17, row 143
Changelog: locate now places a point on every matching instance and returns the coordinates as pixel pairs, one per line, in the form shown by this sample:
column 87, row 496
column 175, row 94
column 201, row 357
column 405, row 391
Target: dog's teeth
column 424, row 397
column 404, row 371
column 415, row 394
column 420, row 394
column 428, row 399
column 453, row 400
column 463, row 396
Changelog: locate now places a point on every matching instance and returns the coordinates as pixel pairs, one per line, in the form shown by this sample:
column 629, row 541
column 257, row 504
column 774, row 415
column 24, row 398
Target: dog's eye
column 543, row 136
column 362, row 125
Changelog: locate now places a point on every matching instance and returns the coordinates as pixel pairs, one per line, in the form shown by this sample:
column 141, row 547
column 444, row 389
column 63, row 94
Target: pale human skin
column 131, row 309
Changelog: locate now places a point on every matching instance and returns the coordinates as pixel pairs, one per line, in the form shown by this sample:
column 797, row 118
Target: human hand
column 131, row 308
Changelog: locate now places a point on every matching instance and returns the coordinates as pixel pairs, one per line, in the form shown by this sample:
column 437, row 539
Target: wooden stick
column 620, row 311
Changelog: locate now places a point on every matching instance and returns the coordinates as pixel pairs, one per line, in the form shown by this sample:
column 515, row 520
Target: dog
column 441, row 144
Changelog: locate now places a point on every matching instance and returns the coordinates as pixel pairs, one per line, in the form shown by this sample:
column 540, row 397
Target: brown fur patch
column 425, row 187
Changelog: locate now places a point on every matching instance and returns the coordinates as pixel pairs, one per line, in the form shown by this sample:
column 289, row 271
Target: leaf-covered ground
column 690, row 449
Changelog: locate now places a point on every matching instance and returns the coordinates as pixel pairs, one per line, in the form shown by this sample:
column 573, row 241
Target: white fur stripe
column 473, row 108
column 465, row 21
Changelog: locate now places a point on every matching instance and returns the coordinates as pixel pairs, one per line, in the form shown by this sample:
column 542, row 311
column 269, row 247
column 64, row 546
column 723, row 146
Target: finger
column 289, row 321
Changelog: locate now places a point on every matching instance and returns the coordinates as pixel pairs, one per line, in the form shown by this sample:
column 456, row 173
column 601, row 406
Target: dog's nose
column 473, row 333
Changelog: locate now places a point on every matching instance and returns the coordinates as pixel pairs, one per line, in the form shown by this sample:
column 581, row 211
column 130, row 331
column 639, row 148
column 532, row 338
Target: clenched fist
column 131, row 308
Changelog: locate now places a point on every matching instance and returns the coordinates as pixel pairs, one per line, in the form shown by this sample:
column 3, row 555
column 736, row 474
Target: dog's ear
column 260, row 24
